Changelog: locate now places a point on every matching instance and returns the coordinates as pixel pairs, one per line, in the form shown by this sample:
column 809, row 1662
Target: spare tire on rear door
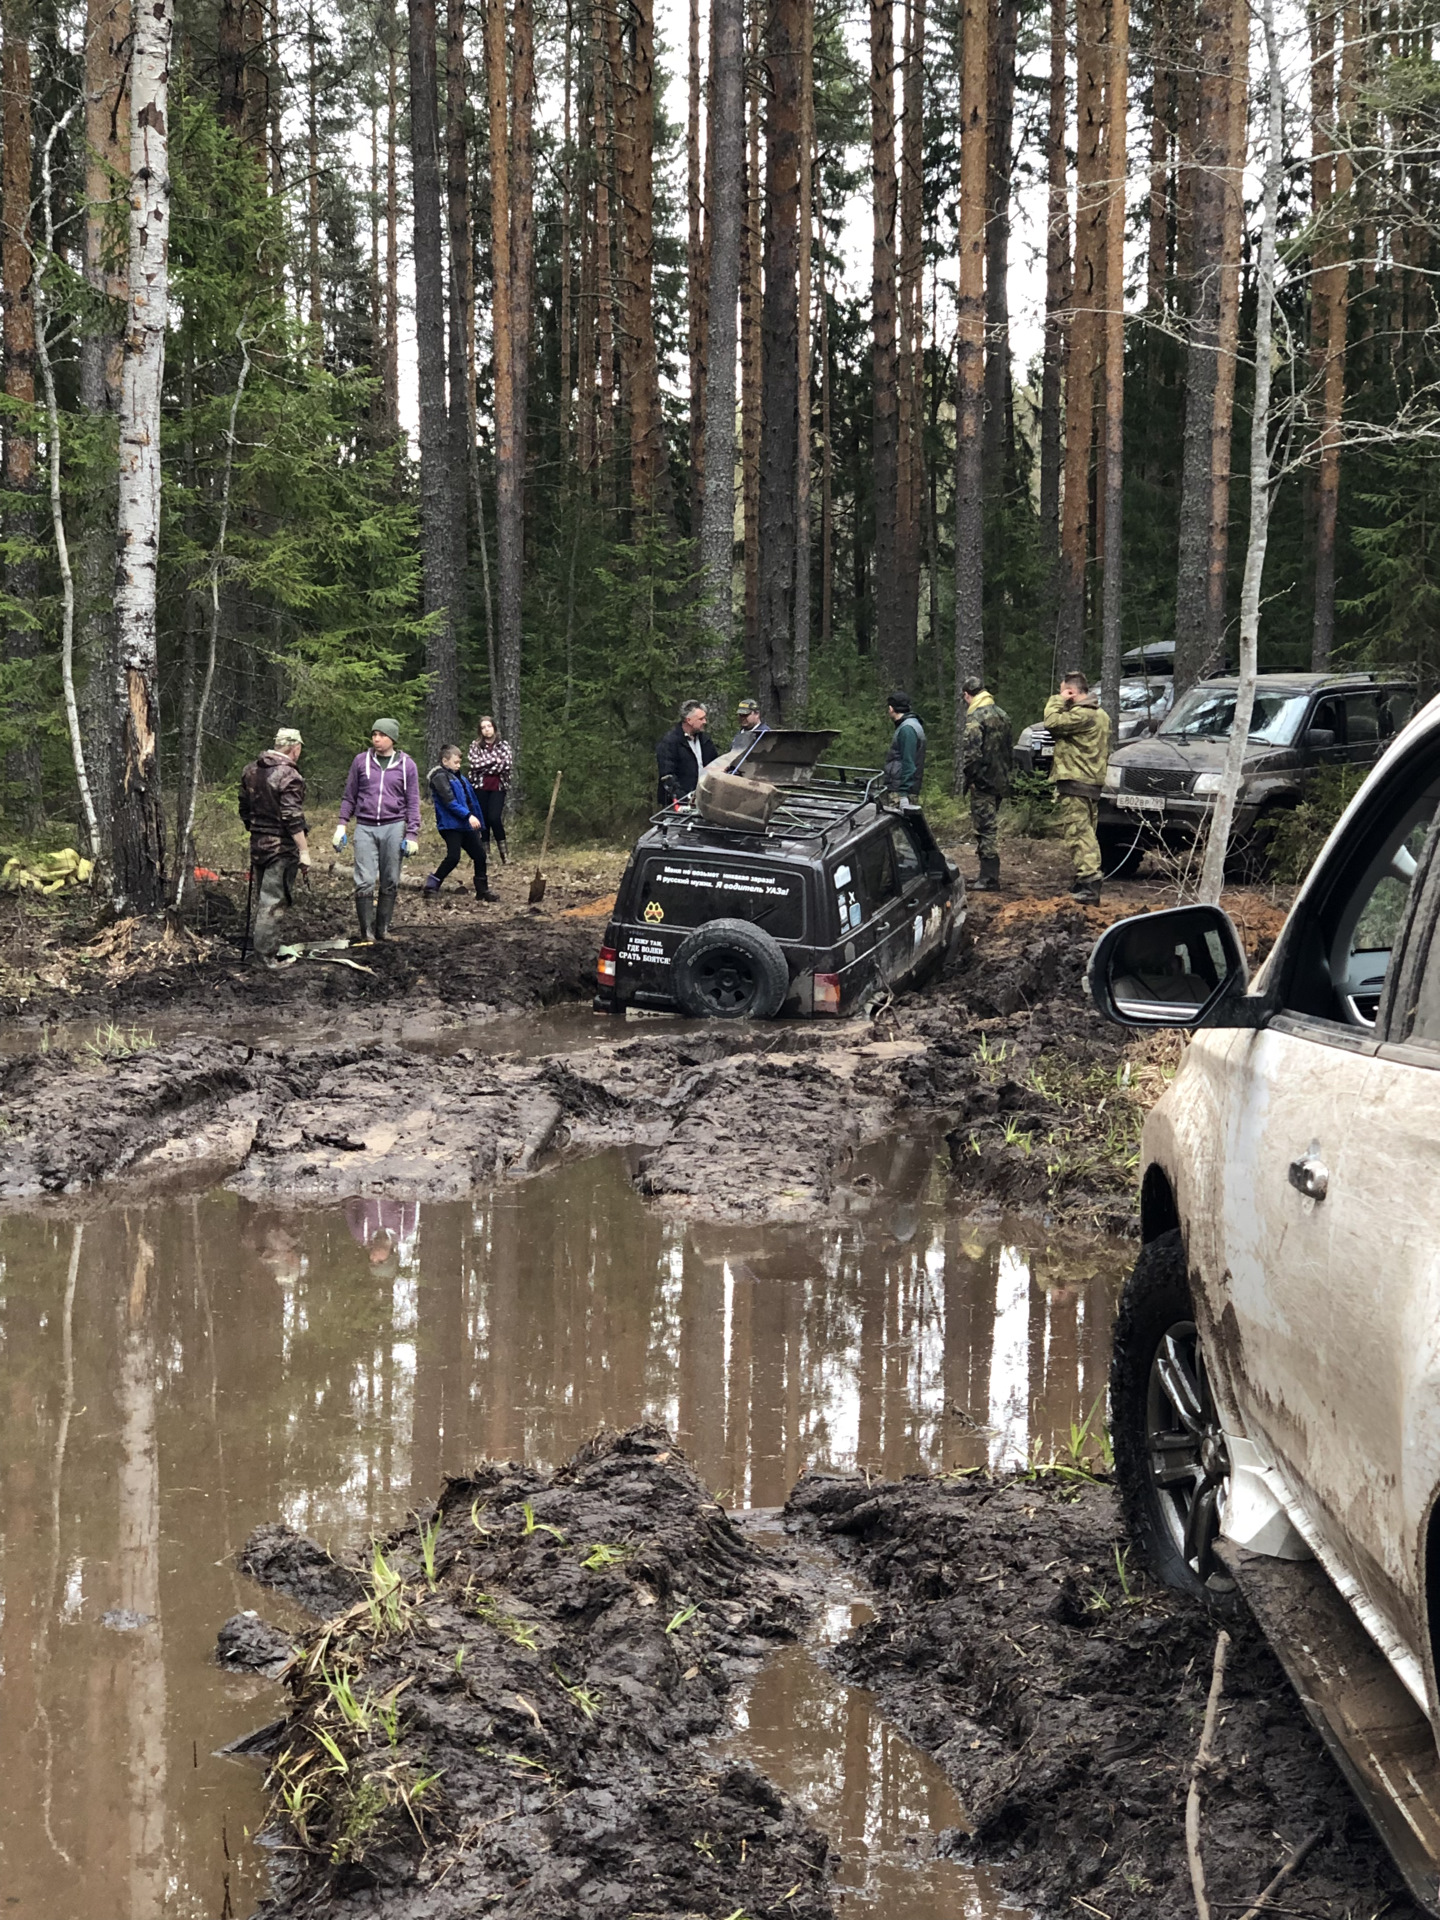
column 730, row 970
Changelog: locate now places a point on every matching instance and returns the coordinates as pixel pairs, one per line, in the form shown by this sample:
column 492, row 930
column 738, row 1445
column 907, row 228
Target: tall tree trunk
column 377, row 307
column 22, row 641
column 522, row 240
column 1057, row 292
column 999, row 389
column 634, row 93
column 896, row 660
column 750, row 360
column 605, row 296
column 910, row 327
column 509, row 472
column 780, row 349
column 827, row 466
column 1162, row 103
column 1228, row 327
column 312, row 192
column 437, row 513
column 727, row 147
column 1332, row 176
column 567, row 198
column 970, row 365
column 275, row 102
column 107, row 166
column 139, row 831
column 392, row 251
column 800, row 687
column 1196, row 641
column 1083, row 345
column 461, row 303
column 1117, row 77
column 585, row 374
column 695, row 280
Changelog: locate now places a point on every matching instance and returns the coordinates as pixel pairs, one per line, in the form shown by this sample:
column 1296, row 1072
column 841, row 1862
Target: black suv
column 1160, row 789
column 783, row 887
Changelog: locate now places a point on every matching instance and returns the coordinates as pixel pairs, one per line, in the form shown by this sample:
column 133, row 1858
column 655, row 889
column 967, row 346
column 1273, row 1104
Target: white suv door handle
column 1310, row 1176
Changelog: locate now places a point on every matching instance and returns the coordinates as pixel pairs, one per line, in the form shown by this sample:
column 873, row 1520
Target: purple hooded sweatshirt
column 375, row 794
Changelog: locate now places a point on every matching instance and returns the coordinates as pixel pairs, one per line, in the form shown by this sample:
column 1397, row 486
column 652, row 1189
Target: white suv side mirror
column 1183, row 967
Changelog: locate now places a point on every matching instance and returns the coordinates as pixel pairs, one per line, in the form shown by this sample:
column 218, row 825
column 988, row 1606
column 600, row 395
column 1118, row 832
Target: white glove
column 338, row 839
column 411, row 848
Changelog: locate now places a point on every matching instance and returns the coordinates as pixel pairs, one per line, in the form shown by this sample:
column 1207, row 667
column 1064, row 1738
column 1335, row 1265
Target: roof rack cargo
column 805, row 809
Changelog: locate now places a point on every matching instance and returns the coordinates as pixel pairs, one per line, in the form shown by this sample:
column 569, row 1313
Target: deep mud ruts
column 1063, row 1694
column 513, row 1720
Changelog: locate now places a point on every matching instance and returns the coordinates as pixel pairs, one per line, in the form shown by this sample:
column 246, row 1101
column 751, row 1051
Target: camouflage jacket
column 987, row 746
column 1082, row 741
column 272, row 806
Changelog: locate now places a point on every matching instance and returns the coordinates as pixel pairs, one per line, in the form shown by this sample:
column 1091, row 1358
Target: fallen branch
column 1203, row 1760
column 1292, row 1865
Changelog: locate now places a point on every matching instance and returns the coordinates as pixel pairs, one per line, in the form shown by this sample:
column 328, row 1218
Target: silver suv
column 1275, row 1389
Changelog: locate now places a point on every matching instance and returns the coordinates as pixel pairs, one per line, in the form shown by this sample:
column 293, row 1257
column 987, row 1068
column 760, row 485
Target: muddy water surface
column 171, row 1374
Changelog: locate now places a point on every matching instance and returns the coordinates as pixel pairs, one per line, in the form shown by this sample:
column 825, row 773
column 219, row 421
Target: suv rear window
column 686, row 892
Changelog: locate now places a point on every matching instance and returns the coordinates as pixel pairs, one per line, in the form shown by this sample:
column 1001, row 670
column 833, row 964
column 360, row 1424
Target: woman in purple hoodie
column 382, row 797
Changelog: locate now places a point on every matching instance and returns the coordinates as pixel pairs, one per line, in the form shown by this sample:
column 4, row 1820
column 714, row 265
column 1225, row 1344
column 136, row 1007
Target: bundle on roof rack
column 743, row 788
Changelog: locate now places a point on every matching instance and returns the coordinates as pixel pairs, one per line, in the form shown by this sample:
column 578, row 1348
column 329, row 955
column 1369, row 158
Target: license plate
column 1140, row 802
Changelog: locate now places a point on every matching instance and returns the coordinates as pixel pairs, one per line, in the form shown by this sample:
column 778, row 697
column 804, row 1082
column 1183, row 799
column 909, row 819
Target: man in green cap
column 1081, row 731
column 382, row 797
column 985, row 758
column 272, row 810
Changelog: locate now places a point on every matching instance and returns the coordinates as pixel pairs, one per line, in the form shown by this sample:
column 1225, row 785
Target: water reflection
column 174, row 1373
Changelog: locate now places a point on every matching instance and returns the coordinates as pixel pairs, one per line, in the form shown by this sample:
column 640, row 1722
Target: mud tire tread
column 761, row 949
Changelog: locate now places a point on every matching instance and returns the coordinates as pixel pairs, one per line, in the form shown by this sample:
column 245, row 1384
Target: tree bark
column 509, row 474
column 780, row 351
column 1162, row 101
column 461, row 307
column 585, row 372
column 999, row 390
column 22, row 641
column 392, row 251
column 970, row 366
column 750, row 360
column 1228, row 328
column 910, row 327
column 695, row 280
column 567, row 196
column 1117, row 77
column 1057, row 292
column 827, row 466
column 522, row 244
column 727, row 147
column 139, row 830
column 1331, row 183
column 1083, row 345
column 896, row 660
column 605, row 295
column 437, row 512
column 646, row 448
column 312, row 192
column 800, row 691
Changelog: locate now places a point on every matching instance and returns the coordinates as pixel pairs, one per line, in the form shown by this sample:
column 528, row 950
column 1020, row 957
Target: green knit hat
column 390, row 729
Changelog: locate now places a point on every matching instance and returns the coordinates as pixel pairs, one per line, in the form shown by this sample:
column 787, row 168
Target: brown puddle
column 171, row 1374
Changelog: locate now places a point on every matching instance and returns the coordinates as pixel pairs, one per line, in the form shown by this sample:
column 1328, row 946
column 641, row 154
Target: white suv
column 1275, row 1388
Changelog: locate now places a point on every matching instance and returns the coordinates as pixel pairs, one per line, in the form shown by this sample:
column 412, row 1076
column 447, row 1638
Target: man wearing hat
column 986, row 755
column 272, row 809
column 382, row 797
column 751, row 725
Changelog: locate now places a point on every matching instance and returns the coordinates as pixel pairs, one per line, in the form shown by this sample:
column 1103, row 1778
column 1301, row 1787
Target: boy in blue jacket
column 458, row 820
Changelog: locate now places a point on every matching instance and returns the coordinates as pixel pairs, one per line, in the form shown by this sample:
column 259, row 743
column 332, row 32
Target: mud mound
column 1062, row 1693
column 510, row 1721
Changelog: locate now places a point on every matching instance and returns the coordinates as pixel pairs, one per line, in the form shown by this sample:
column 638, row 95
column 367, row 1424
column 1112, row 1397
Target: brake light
column 605, row 967
column 826, row 993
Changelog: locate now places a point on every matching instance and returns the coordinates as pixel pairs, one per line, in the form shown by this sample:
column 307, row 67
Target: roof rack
column 808, row 809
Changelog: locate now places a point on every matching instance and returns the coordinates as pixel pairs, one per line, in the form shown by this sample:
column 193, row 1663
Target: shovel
column 537, row 885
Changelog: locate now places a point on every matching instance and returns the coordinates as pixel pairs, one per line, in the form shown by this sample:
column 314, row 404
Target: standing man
column 751, row 726
column 382, row 797
column 683, row 753
column 272, row 810
column 905, row 762
column 1081, row 730
column 986, row 754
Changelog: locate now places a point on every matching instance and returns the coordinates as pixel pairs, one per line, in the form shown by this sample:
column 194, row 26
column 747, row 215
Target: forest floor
column 188, row 1066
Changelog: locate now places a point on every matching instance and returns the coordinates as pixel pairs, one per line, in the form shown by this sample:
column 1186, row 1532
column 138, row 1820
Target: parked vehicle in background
column 1275, row 1387
column 1159, row 790
column 787, row 887
column 1143, row 705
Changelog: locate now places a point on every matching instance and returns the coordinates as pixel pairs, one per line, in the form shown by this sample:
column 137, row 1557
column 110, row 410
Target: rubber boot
column 432, row 883
column 989, row 877
column 385, row 913
column 1086, row 893
column 365, row 914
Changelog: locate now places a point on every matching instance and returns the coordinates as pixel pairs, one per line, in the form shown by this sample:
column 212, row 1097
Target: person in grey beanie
column 382, row 798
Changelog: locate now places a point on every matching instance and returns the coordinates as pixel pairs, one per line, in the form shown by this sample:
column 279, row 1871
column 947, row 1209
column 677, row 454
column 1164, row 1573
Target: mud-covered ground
column 1063, row 1695
column 1041, row 1102
column 508, row 1710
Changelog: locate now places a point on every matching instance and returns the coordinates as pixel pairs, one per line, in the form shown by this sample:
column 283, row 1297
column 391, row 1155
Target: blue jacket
column 455, row 800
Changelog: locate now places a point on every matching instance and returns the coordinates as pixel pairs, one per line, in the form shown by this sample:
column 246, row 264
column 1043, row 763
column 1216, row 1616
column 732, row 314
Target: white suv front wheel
column 1170, row 1456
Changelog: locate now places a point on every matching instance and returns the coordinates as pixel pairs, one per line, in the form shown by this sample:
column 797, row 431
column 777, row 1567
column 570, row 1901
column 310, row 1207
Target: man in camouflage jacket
column 986, row 751
column 1080, row 728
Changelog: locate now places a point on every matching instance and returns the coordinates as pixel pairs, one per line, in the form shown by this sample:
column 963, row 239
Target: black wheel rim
column 1185, row 1445
column 726, row 982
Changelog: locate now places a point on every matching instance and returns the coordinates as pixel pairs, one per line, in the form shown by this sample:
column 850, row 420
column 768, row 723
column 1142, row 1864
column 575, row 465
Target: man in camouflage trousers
column 985, row 769
column 1081, row 732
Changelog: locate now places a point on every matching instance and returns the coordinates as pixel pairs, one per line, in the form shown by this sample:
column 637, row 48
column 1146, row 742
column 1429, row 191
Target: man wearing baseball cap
column 751, row 725
column 382, row 797
column 272, row 809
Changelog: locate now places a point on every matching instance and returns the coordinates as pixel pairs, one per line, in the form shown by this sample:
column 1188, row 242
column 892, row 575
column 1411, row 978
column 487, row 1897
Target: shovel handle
column 550, row 816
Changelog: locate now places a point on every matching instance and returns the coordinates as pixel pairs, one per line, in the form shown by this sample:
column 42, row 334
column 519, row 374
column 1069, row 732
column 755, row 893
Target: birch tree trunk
column 1213, row 874
column 1117, row 76
column 727, row 146
column 139, row 831
column 970, row 366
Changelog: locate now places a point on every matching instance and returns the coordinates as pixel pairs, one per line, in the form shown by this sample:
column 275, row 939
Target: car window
column 1362, row 723
column 874, row 871
column 909, row 863
column 1208, row 713
column 686, row 891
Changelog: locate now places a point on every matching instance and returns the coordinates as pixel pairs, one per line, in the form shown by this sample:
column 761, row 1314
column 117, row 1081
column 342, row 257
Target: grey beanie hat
column 390, row 729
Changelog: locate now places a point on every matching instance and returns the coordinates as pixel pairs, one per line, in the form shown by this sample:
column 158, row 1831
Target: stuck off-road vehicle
column 784, row 886
column 1275, row 1389
column 1160, row 788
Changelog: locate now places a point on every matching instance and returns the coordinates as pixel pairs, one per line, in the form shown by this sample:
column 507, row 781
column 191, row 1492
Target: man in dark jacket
column 751, row 726
column 905, row 762
column 684, row 753
column 272, row 809
column 987, row 751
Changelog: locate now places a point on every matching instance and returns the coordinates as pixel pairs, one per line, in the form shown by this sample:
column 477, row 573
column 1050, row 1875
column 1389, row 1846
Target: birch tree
column 139, row 830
